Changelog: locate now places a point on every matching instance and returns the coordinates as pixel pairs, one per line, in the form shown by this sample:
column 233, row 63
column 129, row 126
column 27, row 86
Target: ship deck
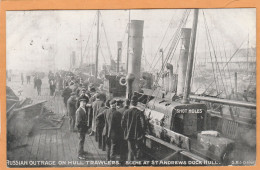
column 59, row 145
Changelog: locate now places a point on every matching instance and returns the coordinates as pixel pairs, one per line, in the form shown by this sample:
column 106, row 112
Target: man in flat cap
column 81, row 93
column 133, row 124
column 71, row 107
column 112, row 129
column 82, row 124
column 126, row 104
column 119, row 104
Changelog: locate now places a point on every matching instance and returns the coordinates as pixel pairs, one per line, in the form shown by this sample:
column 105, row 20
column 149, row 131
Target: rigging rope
column 225, row 77
column 229, row 73
column 144, row 55
column 184, row 25
column 214, row 52
column 175, row 39
column 163, row 40
column 123, row 41
column 90, row 34
column 227, row 63
column 177, row 34
column 213, row 68
column 104, row 58
column 103, row 26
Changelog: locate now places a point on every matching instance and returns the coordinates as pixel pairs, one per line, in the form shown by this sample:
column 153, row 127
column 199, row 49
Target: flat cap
column 134, row 99
column 83, row 98
column 72, row 93
column 112, row 102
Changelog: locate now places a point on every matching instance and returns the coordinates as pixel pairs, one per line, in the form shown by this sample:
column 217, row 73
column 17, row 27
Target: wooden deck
column 58, row 145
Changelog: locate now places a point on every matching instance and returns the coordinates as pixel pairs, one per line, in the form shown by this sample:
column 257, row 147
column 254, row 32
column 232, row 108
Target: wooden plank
column 65, row 137
column 24, row 151
column 47, row 150
column 61, row 153
column 38, row 146
column 90, row 148
column 15, row 133
column 101, row 154
column 175, row 148
column 30, row 146
column 73, row 145
column 31, row 105
column 40, row 153
column 54, row 151
column 35, row 146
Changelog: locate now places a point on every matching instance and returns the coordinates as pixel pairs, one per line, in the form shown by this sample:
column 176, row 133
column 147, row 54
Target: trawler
column 207, row 129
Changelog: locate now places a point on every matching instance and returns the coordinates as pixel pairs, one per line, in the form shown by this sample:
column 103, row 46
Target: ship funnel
column 119, row 54
column 171, row 77
column 182, row 65
column 135, row 53
column 130, row 78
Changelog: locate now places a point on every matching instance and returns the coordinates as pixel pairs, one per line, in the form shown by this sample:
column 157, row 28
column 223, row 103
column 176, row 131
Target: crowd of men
column 118, row 125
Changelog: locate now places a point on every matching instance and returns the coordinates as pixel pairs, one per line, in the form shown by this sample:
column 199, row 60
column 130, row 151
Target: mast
column 119, row 51
column 161, row 50
column 127, row 54
column 235, row 82
column 97, row 47
column 247, row 64
column 81, row 57
column 190, row 58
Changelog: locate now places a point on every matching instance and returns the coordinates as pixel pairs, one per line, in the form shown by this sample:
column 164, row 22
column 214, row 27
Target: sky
column 42, row 39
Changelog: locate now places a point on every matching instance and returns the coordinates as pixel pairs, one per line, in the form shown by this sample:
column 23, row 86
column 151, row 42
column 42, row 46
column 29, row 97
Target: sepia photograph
column 131, row 87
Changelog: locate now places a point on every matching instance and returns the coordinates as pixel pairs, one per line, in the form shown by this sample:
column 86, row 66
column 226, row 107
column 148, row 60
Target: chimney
column 135, row 53
column 182, row 65
column 170, row 77
column 119, row 53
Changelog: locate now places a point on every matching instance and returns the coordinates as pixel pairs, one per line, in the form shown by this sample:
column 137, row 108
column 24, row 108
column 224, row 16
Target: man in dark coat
column 123, row 145
column 125, row 107
column 98, row 103
column 100, row 123
column 81, row 93
column 112, row 130
column 38, row 84
column 82, row 124
column 66, row 95
column 88, row 106
column 133, row 124
column 52, row 85
column 34, row 80
column 71, row 107
column 119, row 104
